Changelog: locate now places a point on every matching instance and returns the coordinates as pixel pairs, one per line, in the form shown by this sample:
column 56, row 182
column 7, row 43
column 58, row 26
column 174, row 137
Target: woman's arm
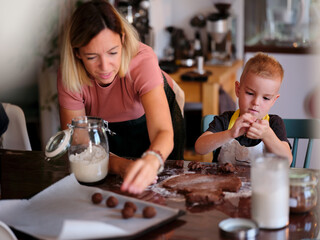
column 118, row 165
column 66, row 116
column 144, row 170
column 159, row 121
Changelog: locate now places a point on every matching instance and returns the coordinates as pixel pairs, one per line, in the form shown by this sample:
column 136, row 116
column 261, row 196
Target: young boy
column 236, row 137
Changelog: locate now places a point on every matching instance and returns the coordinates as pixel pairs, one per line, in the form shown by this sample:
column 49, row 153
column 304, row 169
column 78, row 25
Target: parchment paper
column 65, row 211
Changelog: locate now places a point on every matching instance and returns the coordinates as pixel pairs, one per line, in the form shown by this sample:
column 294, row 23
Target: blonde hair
column 263, row 65
column 89, row 20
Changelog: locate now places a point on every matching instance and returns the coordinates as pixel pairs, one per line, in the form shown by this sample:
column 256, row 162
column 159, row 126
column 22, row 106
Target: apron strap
column 177, row 123
column 236, row 115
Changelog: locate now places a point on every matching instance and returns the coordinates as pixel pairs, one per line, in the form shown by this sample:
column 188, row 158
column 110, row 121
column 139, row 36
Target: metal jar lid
column 60, row 142
column 239, row 228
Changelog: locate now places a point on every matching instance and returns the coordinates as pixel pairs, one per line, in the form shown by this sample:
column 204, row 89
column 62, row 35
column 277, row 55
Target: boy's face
column 257, row 94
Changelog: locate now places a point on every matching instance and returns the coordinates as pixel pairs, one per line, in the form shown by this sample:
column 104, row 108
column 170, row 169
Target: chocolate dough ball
column 112, row 202
column 96, row 198
column 226, row 168
column 130, row 205
column 127, row 212
column 149, row 212
column 193, row 165
column 179, row 163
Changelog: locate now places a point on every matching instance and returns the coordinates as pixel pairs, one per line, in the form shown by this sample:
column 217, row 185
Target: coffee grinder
column 219, row 32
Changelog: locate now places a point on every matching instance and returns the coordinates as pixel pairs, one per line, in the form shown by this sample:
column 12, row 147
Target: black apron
column 132, row 138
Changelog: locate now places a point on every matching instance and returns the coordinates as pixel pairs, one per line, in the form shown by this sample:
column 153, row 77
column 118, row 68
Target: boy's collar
column 236, row 115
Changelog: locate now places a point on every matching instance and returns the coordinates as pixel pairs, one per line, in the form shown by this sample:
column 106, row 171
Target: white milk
column 270, row 192
column 270, row 210
column 90, row 165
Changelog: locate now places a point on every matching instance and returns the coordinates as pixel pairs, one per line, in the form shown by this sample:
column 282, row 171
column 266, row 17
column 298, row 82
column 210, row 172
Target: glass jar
column 303, row 191
column 270, row 191
column 88, row 148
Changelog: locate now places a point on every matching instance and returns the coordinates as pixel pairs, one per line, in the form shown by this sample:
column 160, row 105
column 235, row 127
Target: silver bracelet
column 158, row 156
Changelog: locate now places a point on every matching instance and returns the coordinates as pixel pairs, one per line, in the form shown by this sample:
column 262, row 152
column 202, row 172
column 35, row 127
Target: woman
column 106, row 72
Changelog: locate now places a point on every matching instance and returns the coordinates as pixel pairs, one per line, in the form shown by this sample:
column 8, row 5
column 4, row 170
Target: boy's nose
column 256, row 101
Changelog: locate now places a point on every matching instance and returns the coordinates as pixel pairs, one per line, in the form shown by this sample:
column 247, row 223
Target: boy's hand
column 258, row 129
column 242, row 125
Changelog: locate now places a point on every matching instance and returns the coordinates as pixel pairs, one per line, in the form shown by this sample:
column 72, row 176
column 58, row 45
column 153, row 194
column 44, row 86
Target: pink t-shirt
column 121, row 100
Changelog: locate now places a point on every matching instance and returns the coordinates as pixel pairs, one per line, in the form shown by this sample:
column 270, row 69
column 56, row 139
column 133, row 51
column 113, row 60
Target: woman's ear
column 123, row 38
column 76, row 52
column 78, row 56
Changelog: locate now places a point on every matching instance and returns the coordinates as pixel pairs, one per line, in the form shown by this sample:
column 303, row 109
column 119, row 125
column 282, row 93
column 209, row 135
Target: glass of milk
column 270, row 191
column 89, row 149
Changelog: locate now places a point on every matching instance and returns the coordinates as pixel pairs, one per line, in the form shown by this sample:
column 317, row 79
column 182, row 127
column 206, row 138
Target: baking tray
column 65, row 211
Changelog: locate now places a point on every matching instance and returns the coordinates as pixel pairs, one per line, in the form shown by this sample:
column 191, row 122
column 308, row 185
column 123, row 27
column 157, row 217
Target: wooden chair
column 6, row 233
column 296, row 129
column 302, row 129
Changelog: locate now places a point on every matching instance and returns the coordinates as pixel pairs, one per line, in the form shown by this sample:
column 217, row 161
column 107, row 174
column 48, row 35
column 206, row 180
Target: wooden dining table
column 26, row 173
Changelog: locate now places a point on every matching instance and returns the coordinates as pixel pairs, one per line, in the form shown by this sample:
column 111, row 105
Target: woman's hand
column 140, row 174
column 143, row 172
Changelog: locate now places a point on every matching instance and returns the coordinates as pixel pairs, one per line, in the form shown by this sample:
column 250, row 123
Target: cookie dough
column 193, row 165
column 205, row 197
column 130, row 205
column 149, row 212
column 194, row 182
column 226, row 168
column 96, row 198
column 127, row 212
column 112, row 202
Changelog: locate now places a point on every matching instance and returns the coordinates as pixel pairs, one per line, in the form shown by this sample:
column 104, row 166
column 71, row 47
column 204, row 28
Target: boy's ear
column 237, row 88
column 275, row 98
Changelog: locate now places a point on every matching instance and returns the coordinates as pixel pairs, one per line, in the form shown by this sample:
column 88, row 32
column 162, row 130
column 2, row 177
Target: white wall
column 25, row 31
column 301, row 77
column 178, row 13
column 26, row 28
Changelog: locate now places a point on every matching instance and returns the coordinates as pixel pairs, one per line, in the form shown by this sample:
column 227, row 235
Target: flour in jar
column 91, row 165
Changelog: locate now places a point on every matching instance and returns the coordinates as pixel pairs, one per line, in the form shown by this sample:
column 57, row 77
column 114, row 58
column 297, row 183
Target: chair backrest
column 6, row 233
column 205, row 121
column 302, row 129
column 16, row 137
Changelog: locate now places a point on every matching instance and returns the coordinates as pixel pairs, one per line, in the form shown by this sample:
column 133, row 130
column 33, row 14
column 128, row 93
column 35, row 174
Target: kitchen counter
column 207, row 92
